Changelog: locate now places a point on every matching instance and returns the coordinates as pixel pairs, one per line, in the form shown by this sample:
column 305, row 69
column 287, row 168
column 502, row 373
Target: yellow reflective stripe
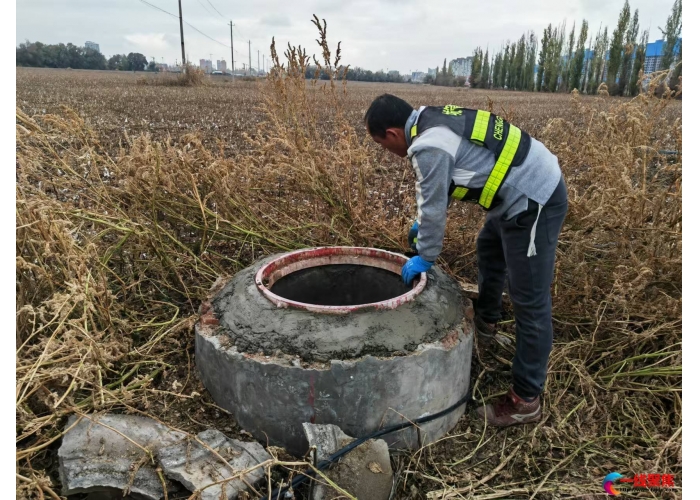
column 459, row 193
column 414, row 131
column 499, row 170
column 481, row 124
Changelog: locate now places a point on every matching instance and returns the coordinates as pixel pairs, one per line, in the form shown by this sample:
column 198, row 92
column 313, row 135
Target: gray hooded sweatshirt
column 439, row 156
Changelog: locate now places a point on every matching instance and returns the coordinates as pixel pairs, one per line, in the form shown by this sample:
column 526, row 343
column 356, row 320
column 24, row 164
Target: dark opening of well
column 340, row 285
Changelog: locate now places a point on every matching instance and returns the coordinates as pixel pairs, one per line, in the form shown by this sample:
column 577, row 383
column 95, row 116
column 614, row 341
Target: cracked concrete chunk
column 108, row 453
column 325, row 437
column 365, row 472
column 196, row 466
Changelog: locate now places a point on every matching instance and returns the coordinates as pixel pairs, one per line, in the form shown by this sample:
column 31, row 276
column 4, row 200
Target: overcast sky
column 376, row 34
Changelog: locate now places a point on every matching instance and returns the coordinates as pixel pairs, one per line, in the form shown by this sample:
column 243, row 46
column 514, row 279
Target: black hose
column 299, row 479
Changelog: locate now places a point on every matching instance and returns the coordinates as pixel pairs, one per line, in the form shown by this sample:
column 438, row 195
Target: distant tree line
column 562, row 65
column 134, row 61
column 358, row 74
column 39, row 55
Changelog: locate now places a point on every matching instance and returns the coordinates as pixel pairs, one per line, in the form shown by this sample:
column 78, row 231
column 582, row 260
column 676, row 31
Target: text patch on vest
column 498, row 129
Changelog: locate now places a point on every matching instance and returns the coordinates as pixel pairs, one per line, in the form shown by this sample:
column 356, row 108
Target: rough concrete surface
column 364, row 472
column 196, row 466
column 103, row 455
column 255, row 324
column 271, row 397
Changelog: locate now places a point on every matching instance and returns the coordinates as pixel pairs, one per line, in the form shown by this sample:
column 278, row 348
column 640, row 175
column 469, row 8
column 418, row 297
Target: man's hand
column 413, row 236
column 413, row 268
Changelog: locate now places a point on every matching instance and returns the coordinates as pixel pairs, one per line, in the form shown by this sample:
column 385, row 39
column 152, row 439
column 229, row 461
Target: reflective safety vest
column 507, row 142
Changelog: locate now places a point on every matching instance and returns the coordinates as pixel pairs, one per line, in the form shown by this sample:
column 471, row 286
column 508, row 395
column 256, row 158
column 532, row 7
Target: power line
column 205, row 7
column 240, row 32
column 200, row 31
column 204, row 34
column 156, row 7
column 188, row 24
column 212, row 6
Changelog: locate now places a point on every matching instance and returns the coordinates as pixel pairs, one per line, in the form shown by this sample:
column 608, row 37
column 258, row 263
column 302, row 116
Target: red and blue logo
column 609, row 483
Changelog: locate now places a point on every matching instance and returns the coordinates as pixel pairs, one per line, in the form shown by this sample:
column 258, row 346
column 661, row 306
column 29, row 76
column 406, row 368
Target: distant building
column 393, row 73
column 654, row 54
column 418, row 77
column 221, row 66
column 162, row 67
column 205, row 64
column 93, row 46
column 432, row 72
column 462, row 66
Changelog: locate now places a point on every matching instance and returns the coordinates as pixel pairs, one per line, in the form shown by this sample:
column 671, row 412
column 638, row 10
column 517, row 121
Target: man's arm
column 433, row 168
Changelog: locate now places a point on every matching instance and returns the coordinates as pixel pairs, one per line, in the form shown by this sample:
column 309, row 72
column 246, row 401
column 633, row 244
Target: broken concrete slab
column 365, row 472
column 325, row 437
column 111, row 452
column 197, row 466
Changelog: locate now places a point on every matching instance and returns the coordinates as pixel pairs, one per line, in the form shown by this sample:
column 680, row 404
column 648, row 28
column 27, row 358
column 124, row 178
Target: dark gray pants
column 501, row 250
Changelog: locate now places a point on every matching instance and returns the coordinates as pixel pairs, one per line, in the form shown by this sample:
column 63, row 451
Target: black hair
column 387, row 111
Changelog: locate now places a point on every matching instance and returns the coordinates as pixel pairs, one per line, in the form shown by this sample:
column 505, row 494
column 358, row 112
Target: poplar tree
column 587, row 65
column 553, row 62
column 674, row 23
column 512, row 67
column 638, row 69
column 627, row 61
column 577, row 64
column 485, row 72
column 566, row 74
column 475, row 77
column 616, row 48
column 546, row 35
column 676, row 75
column 520, row 63
column 504, row 68
column 530, row 65
column 594, row 64
column 497, row 70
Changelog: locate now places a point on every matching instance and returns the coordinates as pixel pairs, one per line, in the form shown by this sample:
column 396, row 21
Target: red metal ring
column 321, row 256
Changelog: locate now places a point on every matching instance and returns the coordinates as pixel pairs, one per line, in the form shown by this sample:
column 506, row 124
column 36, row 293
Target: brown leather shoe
column 510, row 409
column 488, row 333
column 485, row 331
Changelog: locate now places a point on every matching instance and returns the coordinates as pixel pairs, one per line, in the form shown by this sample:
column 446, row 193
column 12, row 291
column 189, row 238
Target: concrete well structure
column 331, row 335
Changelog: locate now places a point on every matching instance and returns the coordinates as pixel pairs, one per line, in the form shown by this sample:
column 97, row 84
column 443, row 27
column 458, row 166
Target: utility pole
column 182, row 33
column 258, row 62
column 233, row 64
column 249, row 64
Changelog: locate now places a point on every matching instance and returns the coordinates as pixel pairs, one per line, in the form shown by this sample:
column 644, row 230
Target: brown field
column 132, row 198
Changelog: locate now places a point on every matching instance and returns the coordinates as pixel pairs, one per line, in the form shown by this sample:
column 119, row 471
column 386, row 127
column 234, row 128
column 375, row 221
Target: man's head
column 385, row 121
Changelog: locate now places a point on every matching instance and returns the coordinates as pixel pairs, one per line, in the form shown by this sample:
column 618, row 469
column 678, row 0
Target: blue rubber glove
column 413, row 268
column 413, row 236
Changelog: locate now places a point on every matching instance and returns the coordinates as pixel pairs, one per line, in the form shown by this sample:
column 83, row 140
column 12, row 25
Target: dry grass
column 191, row 77
column 122, row 229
